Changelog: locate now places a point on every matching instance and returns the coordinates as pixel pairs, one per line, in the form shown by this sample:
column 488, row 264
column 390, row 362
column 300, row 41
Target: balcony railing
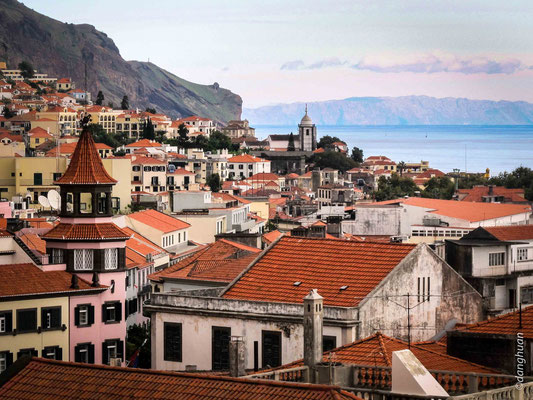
column 370, row 382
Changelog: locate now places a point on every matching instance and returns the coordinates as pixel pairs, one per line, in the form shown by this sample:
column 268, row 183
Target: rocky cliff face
column 407, row 110
column 68, row 50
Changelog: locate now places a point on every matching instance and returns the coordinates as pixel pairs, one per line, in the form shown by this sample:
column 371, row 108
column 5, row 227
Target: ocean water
column 469, row 148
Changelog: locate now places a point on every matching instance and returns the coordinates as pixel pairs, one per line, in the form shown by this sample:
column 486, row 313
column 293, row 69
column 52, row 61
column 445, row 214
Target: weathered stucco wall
column 374, row 221
column 385, row 309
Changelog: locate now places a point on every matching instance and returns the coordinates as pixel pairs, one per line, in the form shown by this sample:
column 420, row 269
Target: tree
column 150, row 110
column 291, row 146
column 200, row 142
column 183, row 136
column 26, row 70
column 213, row 181
column 357, row 155
column 136, row 337
column 160, row 136
column 148, row 131
column 218, row 141
column 99, row 98
column 101, row 136
column 333, row 159
column 125, row 103
column 7, row 113
column 401, row 167
column 327, row 141
column 394, row 187
column 520, row 178
column 441, row 187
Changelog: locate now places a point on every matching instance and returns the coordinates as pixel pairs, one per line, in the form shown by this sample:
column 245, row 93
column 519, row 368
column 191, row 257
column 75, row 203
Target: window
column 111, row 312
column 57, row 256
column 271, row 342
column 84, row 315
column 6, row 359
column 111, row 259
column 27, row 352
column 83, row 260
column 51, row 318
column 522, row 254
column 84, row 353
column 53, row 353
column 496, row 259
column 113, row 348
column 37, row 178
column 172, row 342
column 220, row 348
column 27, row 320
column 526, row 294
column 6, row 321
column 423, row 287
column 329, row 343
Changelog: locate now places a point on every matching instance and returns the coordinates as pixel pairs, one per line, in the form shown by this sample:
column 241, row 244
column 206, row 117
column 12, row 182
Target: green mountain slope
column 68, row 50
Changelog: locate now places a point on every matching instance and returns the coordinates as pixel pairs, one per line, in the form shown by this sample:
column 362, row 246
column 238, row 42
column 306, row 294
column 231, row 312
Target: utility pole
column 408, row 322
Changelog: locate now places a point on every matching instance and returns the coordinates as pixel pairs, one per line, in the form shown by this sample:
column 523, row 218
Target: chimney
column 171, row 200
column 313, row 319
column 237, row 352
column 74, row 282
column 96, row 281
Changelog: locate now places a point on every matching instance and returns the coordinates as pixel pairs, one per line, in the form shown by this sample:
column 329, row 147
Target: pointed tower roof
column 86, row 167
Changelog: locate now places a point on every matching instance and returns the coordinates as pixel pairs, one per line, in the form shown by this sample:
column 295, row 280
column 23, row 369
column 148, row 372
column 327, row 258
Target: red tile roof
column 144, row 143
column 101, row 231
column 477, row 193
column 73, row 381
column 180, row 171
column 323, row 264
column 28, row 279
column 34, row 242
column 263, row 177
column 465, row 210
column 245, row 158
column 147, row 160
column 377, row 350
column 506, row 324
column 271, row 236
column 515, row 232
column 157, row 220
column 138, row 248
column 86, row 166
column 39, row 132
column 221, row 261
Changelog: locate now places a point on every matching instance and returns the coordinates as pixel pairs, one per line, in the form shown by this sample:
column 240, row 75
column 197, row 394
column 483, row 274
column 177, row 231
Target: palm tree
column 401, row 167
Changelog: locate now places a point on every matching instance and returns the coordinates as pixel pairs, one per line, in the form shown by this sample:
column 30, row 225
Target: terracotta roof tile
column 147, row 160
column 477, row 192
column 323, row 264
column 246, row 158
column 86, row 166
column 271, row 236
column 34, row 242
column 465, row 210
column 515, row 232
column 28, row 279
column 157, row 220
column 73, row 381
column 377, row 350
column 86, row 232
column 144, row 143
column 506, row 324
column 221, row 261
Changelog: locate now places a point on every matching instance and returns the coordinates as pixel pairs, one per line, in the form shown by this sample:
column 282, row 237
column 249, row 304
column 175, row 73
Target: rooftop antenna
column 305, row 108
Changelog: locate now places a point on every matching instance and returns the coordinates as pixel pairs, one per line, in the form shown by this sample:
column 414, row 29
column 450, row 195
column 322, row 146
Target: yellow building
column 34, row 312
column 104, row 116
column 66, row 119
column 130, row 123
column 38, row 136
column 21, row 176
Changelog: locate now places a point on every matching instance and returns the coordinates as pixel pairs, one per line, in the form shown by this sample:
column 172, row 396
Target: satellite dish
column 28, row 194
column 54, row 199
column 44, row 201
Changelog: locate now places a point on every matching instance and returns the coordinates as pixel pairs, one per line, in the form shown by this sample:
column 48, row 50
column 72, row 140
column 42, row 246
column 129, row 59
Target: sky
column 281, row 51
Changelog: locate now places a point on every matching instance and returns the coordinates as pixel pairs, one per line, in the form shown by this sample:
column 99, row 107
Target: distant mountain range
column 406, row 110
column 68, row 50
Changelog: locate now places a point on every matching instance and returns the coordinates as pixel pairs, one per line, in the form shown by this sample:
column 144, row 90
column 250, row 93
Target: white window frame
column 86, row 256
column 111, row 259
column 84, row 354
column 496, row 259
column 522, row 254
column 84, row 315
column 52, row 352
column 3, row 361
column 111, row 346
column 2, row 324
column 111, row 307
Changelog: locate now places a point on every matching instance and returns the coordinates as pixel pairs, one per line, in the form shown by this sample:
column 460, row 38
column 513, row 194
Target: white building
column 245, row 165
column 365, row 288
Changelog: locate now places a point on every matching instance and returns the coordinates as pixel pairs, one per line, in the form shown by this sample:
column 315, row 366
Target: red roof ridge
column 86, row 167
column 240, row 245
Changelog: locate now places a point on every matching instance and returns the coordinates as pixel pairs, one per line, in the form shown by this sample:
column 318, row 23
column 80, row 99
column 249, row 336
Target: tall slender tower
column 307, row 133
column 313, row 322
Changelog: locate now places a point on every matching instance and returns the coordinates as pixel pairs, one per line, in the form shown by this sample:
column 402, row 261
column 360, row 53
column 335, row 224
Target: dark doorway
column 220, row 348
column 271, row 349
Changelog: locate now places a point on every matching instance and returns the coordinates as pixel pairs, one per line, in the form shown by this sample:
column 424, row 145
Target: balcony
column 243, row 226
column 144, row 289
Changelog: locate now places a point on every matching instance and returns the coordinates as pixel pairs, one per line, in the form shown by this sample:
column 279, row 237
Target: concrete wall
column 374, row 221
column 204, row 227
column 379, row 312
column 480, row 261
